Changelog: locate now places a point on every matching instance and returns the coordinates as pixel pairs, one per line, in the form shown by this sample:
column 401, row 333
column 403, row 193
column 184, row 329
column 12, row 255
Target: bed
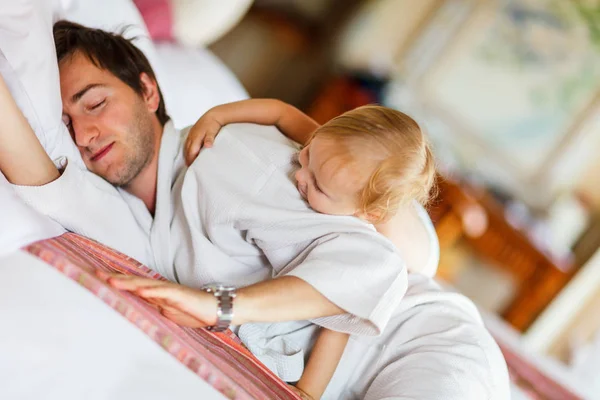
column 66, row 335
column 59, row 340
column 64, row 338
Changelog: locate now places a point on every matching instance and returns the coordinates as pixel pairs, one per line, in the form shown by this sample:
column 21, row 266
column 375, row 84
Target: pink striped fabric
column 219, row 359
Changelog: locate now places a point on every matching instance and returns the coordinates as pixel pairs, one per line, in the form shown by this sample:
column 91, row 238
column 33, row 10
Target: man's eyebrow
column 77, row 96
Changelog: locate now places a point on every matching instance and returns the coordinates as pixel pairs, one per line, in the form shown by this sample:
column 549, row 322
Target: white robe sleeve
column 353, row 271
column 86, row 204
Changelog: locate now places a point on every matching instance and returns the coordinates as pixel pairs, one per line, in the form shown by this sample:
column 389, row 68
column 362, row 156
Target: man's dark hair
column 109, row 51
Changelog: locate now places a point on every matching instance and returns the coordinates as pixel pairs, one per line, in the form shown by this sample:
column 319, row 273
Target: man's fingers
column 181, row 317
column 133, row 282
column 168, row 293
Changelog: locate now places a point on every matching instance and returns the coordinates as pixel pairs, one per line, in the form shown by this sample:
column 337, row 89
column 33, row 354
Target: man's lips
column 100, row 154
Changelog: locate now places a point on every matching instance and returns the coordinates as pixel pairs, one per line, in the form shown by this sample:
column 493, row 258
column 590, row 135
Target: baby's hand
column 201, row 135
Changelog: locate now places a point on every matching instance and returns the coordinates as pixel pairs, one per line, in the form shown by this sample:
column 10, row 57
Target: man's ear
column 150, row 92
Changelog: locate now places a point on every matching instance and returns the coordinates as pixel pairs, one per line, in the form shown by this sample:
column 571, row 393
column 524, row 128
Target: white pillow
column 27, row 43
column 191, row 80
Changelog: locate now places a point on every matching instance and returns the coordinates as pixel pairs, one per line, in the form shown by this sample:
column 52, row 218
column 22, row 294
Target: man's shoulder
column 265, row 143
column 245, row 159
column 247, row 155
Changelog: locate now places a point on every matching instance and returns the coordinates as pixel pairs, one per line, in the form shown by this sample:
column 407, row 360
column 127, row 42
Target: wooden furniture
column 537, row 277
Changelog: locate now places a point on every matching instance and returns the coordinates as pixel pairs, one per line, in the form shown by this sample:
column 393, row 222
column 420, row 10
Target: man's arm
column 315, row 291
column 22, row 158
column 281, row 299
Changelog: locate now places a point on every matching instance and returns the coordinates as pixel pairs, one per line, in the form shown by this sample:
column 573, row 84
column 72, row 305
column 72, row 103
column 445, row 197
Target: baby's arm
column 323, row 361
column 289, row 120
column 23, row 160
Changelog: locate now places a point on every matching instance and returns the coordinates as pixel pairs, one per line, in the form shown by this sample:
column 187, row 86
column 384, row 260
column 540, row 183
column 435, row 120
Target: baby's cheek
column 313, row 202
column 320, row 206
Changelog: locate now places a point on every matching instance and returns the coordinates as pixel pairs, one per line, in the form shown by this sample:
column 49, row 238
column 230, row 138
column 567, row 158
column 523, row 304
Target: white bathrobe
column 236, row 217
column 248, row 223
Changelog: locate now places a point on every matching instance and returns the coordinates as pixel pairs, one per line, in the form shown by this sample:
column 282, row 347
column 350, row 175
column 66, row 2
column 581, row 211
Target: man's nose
column 85, row 133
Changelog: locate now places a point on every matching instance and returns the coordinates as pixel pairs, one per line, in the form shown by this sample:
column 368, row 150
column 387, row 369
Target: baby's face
column 325, row 182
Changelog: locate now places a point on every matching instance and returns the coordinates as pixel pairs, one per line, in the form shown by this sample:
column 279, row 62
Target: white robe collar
column 170, row 164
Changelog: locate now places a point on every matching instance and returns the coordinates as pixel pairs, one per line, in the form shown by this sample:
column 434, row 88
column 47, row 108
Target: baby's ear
column 370, row 217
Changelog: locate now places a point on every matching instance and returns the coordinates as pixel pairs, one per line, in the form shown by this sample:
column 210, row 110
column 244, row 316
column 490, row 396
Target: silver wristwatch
column 225, row 296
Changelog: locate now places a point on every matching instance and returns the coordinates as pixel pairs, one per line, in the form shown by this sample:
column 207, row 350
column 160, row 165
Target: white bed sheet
column 58, row 341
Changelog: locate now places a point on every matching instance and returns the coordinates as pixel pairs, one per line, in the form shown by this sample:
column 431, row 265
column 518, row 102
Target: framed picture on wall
column 520, row 80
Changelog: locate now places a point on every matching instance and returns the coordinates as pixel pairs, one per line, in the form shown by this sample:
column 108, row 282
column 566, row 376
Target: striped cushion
column 218, row 358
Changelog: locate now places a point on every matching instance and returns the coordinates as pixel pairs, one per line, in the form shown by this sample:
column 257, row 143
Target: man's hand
column 180, row 304
column 287, row 298
column 202, row 134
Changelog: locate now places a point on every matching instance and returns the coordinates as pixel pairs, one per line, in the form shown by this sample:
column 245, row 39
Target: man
column 333, row 270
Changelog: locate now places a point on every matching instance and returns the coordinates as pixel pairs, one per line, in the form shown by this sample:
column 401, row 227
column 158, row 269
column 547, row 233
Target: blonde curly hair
column 398, row 152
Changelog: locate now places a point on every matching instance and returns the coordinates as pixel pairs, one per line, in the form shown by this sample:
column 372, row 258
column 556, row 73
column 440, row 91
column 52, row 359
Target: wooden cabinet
column 537, row 277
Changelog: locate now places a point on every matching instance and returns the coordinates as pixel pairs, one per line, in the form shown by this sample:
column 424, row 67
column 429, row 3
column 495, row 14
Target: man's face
column 113, row 127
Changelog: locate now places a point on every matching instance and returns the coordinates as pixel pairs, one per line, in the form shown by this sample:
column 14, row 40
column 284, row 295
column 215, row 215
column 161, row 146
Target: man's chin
column 118, row 181
column 109, row 176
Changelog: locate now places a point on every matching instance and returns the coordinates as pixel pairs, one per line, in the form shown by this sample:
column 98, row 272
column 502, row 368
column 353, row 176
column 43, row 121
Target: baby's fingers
column 209, row 139
column 193, row 145
column 191, row 152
